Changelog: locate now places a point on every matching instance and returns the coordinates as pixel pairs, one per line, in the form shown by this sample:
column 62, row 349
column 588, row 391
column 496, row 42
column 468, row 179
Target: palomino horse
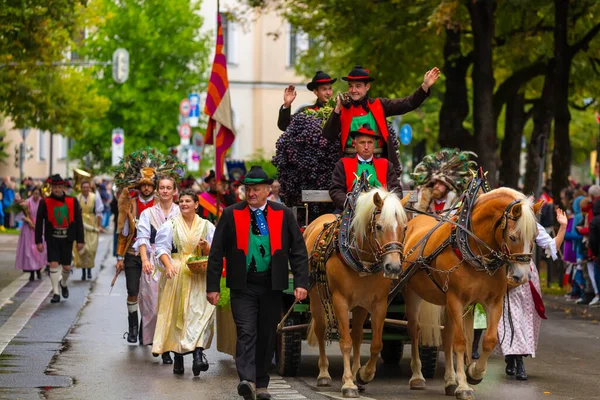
column 503, row 225
column 378, row 231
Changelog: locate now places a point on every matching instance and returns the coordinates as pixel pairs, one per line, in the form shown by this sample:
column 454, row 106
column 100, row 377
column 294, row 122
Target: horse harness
column 459, row 240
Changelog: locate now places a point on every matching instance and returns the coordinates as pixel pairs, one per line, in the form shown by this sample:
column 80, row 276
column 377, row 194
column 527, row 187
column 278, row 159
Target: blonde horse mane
column 392, row 212
column 526, row 225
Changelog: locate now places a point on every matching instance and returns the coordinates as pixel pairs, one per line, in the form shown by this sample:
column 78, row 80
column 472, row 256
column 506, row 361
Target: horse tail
column 311, row 337
column 430, row 322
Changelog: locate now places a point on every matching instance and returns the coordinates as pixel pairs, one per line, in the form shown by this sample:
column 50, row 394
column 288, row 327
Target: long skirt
column 28, row 258
column 526, row 322
column 86, row 258
column 185, row 318
column 148, row 301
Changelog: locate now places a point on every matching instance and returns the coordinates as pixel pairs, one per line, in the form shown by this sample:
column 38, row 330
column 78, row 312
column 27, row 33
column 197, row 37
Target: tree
column 168, row 60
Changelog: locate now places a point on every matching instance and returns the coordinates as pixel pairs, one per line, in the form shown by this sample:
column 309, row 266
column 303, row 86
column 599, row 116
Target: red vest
column 351, row 166
column 142, row 206
column 56, row 216
column 376, row 109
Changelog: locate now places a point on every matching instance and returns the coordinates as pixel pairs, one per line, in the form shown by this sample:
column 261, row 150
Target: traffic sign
column 184, row 107
column 193, row 162
column 185, row 131
column 194, row 113
column 198, row 142
column 118, row 145
column 405, row 134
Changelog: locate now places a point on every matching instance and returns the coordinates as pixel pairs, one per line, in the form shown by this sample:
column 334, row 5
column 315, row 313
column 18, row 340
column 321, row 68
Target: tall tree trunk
column 510, row 151
column 543, row 114
column 561, row 155
column 482, row 24
column 455, row 106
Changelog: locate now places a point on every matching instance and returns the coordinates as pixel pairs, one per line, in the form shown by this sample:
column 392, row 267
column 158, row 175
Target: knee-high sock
column 54, row 278
column 590, row 268
column 65, row 277
column 132, row 306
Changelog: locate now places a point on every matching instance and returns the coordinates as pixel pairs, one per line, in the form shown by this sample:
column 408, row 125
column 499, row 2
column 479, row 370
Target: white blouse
column 164, row 239
column 144, row 226
column 545, row 241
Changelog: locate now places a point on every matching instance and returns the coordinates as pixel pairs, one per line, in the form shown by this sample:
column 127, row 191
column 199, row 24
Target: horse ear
column 516, row 210
column 537, row 207
column 378, row 201
column 405, row 200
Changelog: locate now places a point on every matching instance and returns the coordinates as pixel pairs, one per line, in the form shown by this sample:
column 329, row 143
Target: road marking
column 17, row 321
column 339, row 396
column 280, row 390
column 13, row 288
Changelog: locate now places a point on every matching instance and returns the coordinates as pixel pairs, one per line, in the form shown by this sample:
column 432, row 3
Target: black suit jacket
column 231, row 242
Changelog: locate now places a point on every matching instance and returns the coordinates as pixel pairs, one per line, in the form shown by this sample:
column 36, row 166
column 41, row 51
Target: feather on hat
column 450, row 166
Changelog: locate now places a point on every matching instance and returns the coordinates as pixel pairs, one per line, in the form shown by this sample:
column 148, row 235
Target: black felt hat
column 320, row 78
column 257, row 176
column 358, row 74
column 56, row 179
column 211, row 175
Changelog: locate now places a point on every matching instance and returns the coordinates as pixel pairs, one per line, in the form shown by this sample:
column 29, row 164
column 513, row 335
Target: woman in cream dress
column 185, row 318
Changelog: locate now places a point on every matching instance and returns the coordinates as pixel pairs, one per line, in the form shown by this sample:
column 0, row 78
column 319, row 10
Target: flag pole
column 215, row 134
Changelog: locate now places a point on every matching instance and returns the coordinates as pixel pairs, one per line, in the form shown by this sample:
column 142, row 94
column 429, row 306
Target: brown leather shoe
column 262, row 394
column 247, row 390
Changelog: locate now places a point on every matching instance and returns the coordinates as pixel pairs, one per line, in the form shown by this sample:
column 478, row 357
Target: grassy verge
column 554, row 289
column 9, row 232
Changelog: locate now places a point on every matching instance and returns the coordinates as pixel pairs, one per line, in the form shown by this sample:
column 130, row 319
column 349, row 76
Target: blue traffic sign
column 405, row 134
column 194, row 105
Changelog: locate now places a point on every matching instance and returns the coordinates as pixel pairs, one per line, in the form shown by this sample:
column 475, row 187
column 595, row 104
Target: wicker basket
column 197, row 266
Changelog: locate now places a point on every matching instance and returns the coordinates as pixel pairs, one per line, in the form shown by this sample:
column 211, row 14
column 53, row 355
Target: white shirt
column 545, row 241
column 262, row 208
column 125, row 230
column 164, row 239
column 363, row 160
column 144, row 225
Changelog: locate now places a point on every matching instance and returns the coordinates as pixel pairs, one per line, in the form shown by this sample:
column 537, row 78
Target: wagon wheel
column 428, row 357
column 392, row 351
column 288, row 351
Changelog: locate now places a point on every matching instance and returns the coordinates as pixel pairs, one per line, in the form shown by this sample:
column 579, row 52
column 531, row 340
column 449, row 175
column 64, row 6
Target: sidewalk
column 569, row 307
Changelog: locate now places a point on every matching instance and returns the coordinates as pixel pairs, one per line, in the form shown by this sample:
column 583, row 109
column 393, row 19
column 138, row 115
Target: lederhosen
column 132, row 261
column 60, row 229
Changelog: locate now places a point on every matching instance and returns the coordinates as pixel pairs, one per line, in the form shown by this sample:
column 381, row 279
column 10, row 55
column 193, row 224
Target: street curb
column 569, row 307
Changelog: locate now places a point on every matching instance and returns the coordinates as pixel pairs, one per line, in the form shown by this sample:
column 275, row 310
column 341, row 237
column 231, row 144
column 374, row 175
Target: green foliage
column 168, row 60
column 258, row 158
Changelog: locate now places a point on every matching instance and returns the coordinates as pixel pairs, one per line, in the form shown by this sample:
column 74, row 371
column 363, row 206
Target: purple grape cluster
column 305, row 161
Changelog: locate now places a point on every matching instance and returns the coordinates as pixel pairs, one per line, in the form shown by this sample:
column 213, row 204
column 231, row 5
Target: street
column 75, row 350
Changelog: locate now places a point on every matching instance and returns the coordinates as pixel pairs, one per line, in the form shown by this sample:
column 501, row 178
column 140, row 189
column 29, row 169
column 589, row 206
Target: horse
column 503, row 226
column 378, row 231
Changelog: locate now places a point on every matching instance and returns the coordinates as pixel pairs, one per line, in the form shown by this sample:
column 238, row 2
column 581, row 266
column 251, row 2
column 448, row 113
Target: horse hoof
column 465, row 395
column 361, row 388
column 417, row 384
column 350, row 393
column 470, row 379
column 323, row 382
column 450, row 390
column 359, row 380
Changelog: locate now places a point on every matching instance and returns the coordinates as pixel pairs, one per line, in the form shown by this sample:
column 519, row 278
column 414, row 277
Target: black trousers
column 133, row 273
column 256, row 311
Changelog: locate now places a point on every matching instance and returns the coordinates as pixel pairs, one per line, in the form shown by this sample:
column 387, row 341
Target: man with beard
column 59, row 222
column 438, row 197
column 359, row 109
column 379, row 170
column 321, row 85
column 131, row 206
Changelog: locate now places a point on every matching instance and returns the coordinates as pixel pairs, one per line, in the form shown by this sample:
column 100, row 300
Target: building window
column 298, row 44
column 229, row 39
column 64, row 147
column 42, row 145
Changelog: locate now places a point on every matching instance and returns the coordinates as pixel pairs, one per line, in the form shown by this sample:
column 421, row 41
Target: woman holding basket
column 185, row 318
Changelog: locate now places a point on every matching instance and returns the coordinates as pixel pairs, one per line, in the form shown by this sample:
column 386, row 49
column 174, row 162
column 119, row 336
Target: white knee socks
column 54, row 278
column 132, row 306
column 590, row 268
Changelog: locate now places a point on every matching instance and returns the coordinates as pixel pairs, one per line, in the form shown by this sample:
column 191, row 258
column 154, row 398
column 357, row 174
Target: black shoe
column 89, row 273
column 246, row 390
column 521, row 374
column 31, row 276
column 64, row 291
column 55, row 299
column 83, row 274
column 39, row 274
column 200, row 363
column 510, row 365
column 132, row 335
column 178, row 368
column 166, row 357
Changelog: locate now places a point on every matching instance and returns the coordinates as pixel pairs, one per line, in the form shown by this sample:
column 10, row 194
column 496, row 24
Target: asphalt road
column 76, row 350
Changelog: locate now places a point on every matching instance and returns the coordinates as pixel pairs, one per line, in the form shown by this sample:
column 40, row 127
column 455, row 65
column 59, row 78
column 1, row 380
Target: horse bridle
column 506, row 255
column 388, row 248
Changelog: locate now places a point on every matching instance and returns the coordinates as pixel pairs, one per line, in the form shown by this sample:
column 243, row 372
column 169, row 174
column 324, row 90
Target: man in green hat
column 380, row 171
column 261, row 241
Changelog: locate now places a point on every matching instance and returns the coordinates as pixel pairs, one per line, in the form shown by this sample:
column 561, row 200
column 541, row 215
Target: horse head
column 379, row 226
column 514, row 231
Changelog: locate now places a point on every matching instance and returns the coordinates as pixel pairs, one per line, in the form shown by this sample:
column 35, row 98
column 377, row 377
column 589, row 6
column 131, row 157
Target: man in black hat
column 380, row 171
column 59, row 222
column 259, row 239
column 359, row 109
column 321, row 85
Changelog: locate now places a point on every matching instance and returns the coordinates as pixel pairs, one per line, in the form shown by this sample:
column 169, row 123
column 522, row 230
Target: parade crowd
column 187, row 246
